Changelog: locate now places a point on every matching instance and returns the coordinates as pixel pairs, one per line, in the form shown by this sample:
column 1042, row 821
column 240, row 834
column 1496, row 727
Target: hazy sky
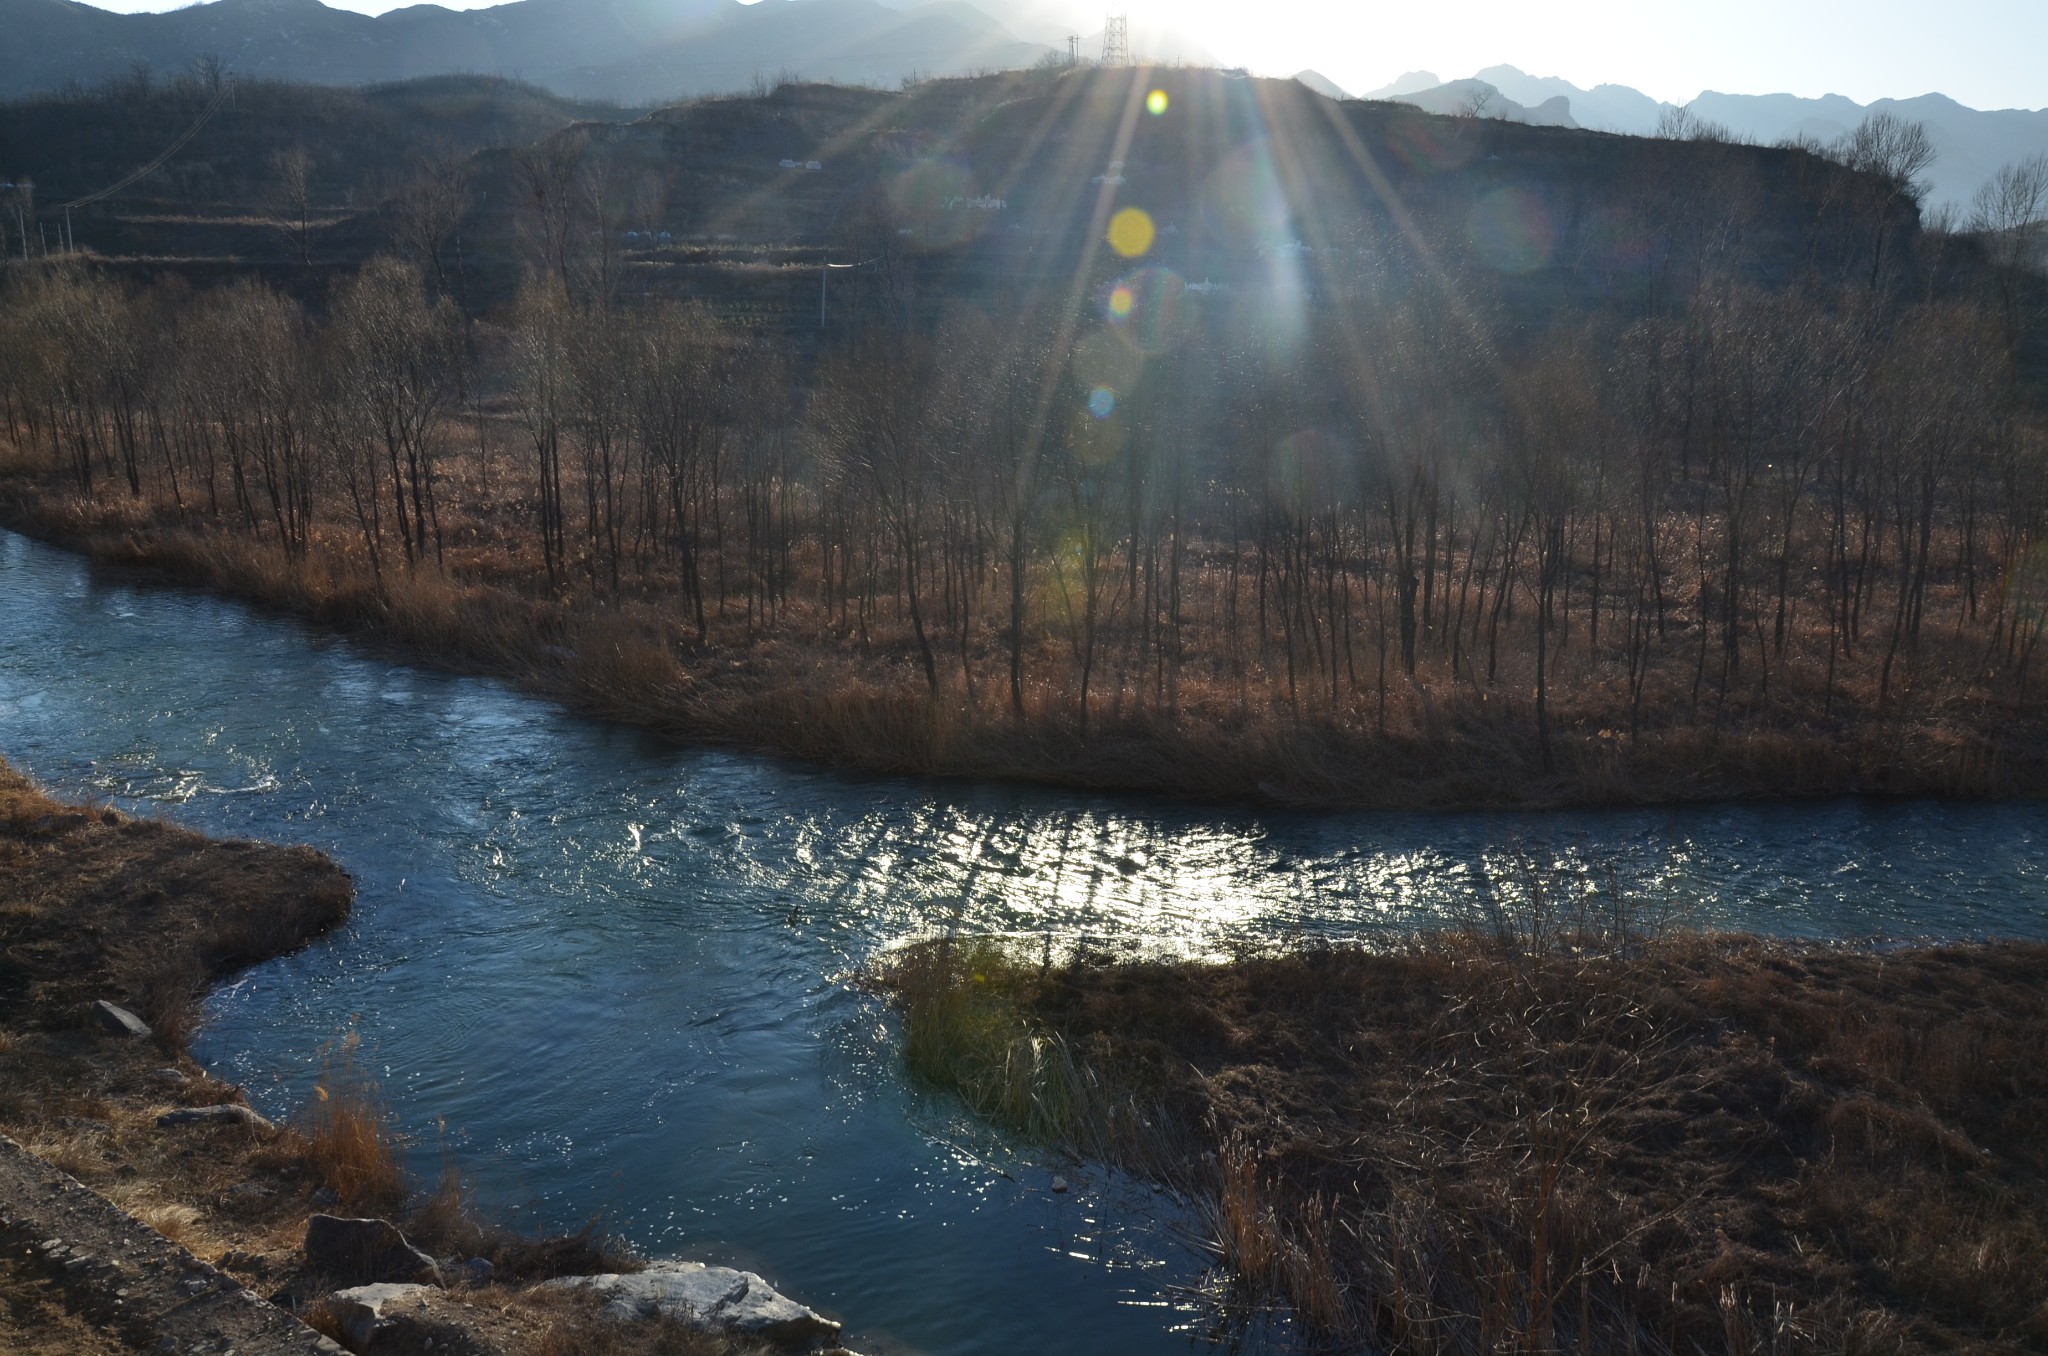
column 1985, row 53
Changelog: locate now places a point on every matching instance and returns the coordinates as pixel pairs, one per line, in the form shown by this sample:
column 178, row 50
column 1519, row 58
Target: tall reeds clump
column 965, row 1029
column 347, row 1134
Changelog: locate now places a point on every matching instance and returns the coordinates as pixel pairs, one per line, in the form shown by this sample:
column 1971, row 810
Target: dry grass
column 76, row 883
column 97, row 905
column 448, row 1223
column 809, row 687
column 1653, row 1144
column 347, row 1137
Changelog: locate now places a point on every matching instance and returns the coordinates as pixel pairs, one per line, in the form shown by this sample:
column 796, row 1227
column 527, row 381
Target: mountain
column 1605, row 108
column 1486, row 100
column 1414, row 82
column 1971, row 144
column 628, row 50
column 1322, row 85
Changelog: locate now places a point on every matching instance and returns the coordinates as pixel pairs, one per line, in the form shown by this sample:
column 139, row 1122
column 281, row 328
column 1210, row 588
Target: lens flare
column 1131, row 232
column 1243, row 203
column 1512, row 231
column 1428, row 146
column 1102, row 362
column 1156, row 102
column 930, row 199
column 1102, row 402
column 1146, row 310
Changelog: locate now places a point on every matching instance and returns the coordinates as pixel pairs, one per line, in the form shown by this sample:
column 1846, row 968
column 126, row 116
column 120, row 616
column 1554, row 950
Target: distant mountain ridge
column 1971, row 143
column 630, row 50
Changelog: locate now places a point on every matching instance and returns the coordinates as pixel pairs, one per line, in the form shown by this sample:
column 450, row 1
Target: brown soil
column 95, row 904
column 1694, row 1144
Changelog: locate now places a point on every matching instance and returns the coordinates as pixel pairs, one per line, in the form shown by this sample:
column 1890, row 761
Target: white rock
column 360, row 1311
column 119, row 1021
column 713, row 1299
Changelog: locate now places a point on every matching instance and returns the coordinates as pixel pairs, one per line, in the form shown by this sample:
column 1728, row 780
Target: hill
column 627, row 50
column 1971, row 143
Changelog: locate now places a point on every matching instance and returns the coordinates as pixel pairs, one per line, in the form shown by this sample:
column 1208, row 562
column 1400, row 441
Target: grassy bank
column 808, row 692
column 97, row 905
column 1473, row 1143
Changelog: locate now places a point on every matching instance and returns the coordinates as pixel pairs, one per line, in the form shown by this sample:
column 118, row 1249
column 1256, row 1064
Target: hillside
column 627, row 50
column 1971, row 143
column 1250, row 185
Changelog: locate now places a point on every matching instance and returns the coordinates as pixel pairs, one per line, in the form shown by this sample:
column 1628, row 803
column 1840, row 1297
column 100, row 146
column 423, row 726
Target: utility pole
column 1073, row 50
column 1116, row 40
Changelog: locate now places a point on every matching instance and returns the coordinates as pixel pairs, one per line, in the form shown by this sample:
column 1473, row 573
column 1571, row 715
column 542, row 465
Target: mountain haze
column 1971, row 143
column 629, row 50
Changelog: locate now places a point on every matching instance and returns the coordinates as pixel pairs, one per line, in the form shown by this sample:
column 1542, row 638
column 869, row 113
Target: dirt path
column 121, row 1285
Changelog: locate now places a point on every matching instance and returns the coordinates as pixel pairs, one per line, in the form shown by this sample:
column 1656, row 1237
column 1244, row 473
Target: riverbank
column 631, row 658
column 1493, row 1142
column 97, row 907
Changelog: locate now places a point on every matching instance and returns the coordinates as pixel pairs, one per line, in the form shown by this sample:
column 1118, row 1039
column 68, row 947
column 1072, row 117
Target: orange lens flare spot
column 1120, row 303
column 1156, row 103
column 1131, row 232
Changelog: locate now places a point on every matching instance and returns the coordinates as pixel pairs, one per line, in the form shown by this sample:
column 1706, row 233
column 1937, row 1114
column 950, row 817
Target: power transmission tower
column 1116, row 40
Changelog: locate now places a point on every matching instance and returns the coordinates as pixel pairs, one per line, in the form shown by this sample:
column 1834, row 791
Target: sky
column 1984, row 53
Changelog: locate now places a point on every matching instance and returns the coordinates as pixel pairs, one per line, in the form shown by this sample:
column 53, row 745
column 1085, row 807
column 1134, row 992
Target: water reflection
column 613, row 969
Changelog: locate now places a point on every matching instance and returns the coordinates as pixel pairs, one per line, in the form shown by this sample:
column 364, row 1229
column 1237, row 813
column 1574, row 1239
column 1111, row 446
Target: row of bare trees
column 1760, row 506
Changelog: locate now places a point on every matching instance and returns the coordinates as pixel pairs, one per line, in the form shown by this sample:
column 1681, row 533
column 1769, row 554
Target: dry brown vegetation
column 1689, row 1144
column 98, row 905
column 1753, row 507
column 95, row 904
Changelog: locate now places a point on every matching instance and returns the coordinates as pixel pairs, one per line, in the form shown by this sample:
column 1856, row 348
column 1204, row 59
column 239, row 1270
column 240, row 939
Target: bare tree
column 427, row 212
column 292, row 200
column 1892, row 154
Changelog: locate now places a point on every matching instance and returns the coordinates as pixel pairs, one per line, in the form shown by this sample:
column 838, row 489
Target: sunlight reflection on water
column 615, row 970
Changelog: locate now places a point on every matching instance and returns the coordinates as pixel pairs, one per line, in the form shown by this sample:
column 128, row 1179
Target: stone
column 1059, row 1185
column 360, row 1310
column 231, row 1113
column 357, row 1252
column 478, row 1271
column 710, row 1299
column 119, row 1021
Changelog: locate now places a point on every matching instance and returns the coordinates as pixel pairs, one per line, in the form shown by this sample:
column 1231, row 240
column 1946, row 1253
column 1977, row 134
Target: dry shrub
column 447, row 1223
column 347, row 1137
column 620, row 665
column 179, row 1223
column 1562, row 1130
column 323, row 1317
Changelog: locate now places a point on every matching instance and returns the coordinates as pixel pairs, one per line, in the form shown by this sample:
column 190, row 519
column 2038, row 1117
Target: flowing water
column 613, row 975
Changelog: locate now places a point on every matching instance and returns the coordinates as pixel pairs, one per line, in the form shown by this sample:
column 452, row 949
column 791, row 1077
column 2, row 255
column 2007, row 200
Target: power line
column 220, row 98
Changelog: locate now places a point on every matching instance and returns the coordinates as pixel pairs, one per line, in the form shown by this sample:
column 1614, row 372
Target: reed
column 347, row 1135
column 1559, row 1128
column 807, row 688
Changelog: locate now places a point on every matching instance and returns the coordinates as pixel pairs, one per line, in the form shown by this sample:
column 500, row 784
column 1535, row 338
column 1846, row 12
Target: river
column 612, row 975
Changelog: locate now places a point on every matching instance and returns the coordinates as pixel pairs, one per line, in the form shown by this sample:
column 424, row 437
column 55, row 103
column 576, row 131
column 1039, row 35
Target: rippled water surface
column 613, row 973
